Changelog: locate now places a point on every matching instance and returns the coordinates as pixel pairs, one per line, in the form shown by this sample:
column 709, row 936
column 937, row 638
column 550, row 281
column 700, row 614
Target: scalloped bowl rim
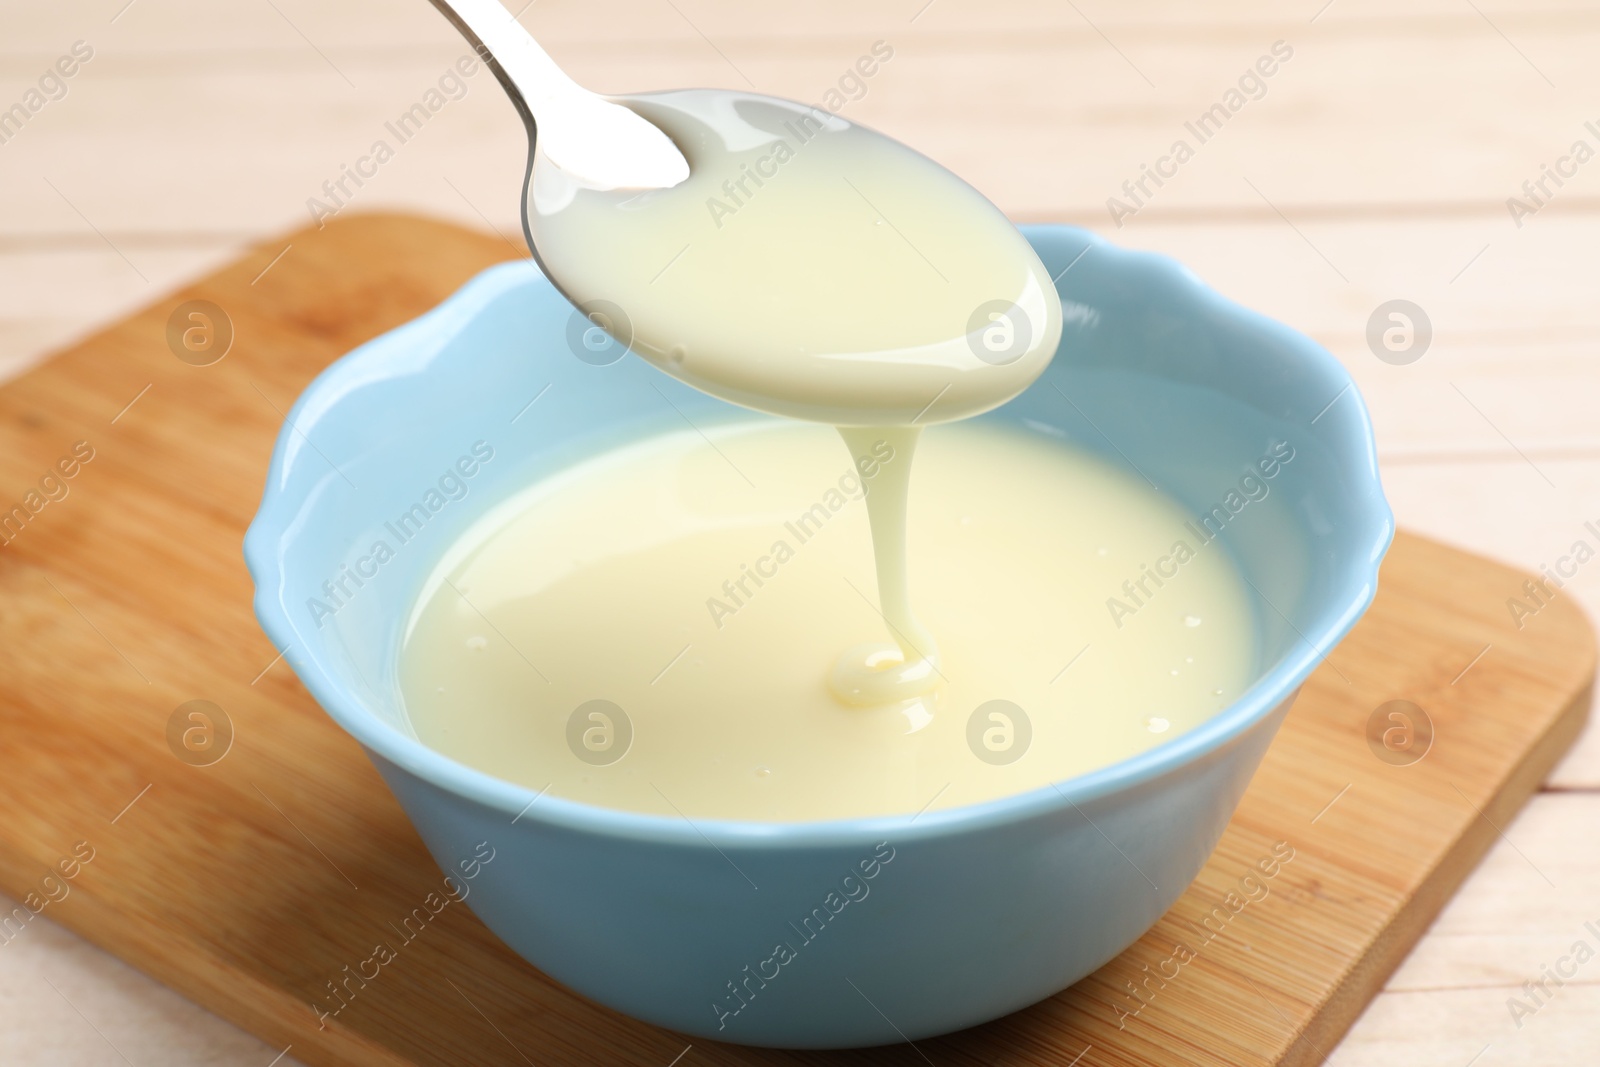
column 278, row 511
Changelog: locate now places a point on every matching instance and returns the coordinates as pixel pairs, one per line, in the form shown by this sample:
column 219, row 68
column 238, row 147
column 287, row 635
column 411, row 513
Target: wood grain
column 249, row 884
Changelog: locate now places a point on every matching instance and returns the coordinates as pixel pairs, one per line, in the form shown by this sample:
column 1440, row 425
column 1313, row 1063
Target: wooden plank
column 67, row 1001
column 249, row 884
column 1452, row 996
column 1429, row 112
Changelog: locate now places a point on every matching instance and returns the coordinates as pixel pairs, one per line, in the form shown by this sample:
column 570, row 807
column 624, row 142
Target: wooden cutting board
column 250, row 883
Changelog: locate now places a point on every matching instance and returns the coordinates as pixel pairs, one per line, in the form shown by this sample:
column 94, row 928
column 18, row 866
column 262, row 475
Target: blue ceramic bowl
column 855, row 932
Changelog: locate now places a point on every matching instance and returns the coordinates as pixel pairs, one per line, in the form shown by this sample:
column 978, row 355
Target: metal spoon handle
column 533, row 75
column 594, row 140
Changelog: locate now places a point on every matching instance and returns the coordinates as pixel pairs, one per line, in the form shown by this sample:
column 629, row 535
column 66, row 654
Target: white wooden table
column 1373, row 164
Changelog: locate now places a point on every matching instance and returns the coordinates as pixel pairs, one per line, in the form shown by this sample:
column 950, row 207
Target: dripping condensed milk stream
column 812, row 268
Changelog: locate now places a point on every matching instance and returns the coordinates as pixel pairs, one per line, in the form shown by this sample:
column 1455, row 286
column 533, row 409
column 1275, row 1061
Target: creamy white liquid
column 710, row 613
column 808, row 267
column 813, row 268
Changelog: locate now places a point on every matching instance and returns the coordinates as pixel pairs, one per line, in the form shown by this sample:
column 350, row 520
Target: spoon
column 596, row 143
